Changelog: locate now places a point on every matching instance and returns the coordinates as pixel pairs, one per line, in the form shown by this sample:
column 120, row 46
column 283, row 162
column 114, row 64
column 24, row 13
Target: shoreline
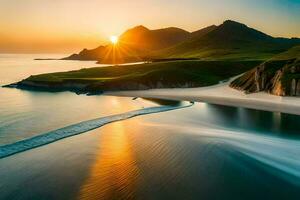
column 220, row 94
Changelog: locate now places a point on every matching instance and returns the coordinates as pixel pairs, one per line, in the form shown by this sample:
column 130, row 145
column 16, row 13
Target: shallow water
column 24, row 114
column 200, row 152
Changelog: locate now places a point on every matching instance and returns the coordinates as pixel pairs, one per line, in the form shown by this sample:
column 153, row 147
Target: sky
column 66, row 26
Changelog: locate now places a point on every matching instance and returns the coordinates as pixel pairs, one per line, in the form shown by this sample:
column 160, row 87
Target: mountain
column 134, row 45
column 203, row 31
column 142, row 38
column 230, row 40
column 279, row 76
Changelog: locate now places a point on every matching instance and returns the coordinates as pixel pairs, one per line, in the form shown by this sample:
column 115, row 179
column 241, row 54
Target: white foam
column 75, row 129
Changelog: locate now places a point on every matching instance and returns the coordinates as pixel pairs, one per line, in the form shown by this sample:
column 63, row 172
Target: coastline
column 220, row 94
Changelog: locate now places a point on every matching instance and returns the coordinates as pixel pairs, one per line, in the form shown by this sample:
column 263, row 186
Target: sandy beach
column 221, row 94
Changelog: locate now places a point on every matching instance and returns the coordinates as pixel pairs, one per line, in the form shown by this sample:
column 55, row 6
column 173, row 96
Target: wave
column 75, row 129
column 278, row 153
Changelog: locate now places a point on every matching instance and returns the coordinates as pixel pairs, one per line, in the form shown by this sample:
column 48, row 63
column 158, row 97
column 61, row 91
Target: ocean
column 69, row 146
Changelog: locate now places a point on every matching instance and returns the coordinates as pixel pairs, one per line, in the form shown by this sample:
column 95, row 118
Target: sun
column 114, row 39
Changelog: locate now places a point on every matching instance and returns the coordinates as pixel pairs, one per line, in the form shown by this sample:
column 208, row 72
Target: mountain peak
column 137, row 30
column 235, row 31
column 233, row 23
column 140, row 28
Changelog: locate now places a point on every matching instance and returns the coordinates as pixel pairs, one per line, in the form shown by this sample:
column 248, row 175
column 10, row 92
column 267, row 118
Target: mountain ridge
column 230, row 40
column 134, row 44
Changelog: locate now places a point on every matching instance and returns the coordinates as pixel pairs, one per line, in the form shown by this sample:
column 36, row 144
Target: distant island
column 180, row 59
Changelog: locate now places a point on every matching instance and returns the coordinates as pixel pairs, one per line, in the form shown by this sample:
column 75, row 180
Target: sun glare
column 114, row 39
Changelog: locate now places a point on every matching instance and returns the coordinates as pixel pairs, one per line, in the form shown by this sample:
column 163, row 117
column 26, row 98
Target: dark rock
column 280, row 78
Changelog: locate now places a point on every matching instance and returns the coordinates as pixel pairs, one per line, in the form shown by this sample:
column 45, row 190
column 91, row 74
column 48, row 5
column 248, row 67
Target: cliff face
column 280, row 78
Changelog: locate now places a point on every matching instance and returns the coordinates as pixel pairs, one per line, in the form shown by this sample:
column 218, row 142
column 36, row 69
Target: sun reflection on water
column 114, row 172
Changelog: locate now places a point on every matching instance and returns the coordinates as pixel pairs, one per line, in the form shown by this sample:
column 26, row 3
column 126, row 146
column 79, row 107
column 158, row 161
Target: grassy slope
column 152, row 75
column 230, row 41
column 290, row 54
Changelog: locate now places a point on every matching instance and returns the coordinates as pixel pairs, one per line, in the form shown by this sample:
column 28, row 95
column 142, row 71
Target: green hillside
column 230, row 40
column 292, row 53
column 134, row 77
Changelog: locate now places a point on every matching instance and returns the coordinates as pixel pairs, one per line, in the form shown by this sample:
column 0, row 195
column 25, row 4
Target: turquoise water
column 200, row 152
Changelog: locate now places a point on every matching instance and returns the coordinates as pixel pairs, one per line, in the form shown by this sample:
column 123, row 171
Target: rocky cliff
column 278, row 77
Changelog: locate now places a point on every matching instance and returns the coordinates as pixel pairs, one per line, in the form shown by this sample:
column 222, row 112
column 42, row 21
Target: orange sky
column 65, row 26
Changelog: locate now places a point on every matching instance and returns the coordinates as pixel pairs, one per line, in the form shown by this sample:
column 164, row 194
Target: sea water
column 200, row 151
